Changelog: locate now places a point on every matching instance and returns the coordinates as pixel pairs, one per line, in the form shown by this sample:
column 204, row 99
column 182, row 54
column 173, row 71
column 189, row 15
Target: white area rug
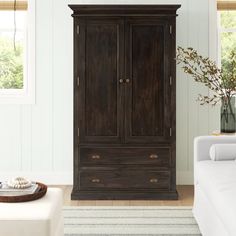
column 119, row 221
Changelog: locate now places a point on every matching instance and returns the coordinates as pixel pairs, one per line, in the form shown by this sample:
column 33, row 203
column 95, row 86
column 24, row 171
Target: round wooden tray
column 28, row 197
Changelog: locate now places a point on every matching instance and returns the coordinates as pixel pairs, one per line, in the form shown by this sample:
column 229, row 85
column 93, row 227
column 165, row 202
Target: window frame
column 27, row 94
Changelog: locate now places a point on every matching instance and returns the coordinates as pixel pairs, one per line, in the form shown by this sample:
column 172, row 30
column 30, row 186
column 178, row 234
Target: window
column 17, row 51
column 227, row 31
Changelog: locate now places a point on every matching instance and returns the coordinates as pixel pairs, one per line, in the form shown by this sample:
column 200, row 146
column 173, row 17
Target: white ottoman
column 42, row 217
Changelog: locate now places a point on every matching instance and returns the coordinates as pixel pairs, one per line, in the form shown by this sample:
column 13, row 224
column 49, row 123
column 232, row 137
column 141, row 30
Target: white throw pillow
column 223, row 152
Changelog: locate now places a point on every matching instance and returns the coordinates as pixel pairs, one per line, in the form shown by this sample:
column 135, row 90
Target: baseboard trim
column 49, row 178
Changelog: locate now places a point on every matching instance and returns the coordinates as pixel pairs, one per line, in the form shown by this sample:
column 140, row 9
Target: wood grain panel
column 148, row 93
column 124, row 179
column 158, row 157
column 101, row 80
column 147, row 80
column 101, row 52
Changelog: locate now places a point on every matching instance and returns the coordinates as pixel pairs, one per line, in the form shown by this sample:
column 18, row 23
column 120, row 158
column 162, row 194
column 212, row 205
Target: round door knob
column 127, row 80
column 121, row 81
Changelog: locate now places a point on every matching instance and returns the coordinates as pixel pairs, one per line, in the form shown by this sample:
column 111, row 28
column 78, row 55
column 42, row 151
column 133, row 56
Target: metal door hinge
column 77, row 29
column 78, row 132
column 170, row 29
column 78, row 81
column 170, row 132
column 170, row 80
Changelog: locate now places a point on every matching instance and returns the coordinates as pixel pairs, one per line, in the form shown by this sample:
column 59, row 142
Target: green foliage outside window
column 228, row 39
column 11, row 64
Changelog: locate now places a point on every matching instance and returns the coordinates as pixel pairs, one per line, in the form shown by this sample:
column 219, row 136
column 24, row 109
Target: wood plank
column 86, row 203
column 203, row 110
column 138, row 203
column 182, row 94
column 104, row 203
column 42, row 111
column 10, row 137
column 26, row 137
column 62, row 95
column 214, row 112
column 121, row 203
column 194, row 23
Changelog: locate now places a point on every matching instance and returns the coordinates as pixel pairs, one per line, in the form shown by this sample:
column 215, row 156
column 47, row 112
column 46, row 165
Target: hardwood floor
column 185, row 199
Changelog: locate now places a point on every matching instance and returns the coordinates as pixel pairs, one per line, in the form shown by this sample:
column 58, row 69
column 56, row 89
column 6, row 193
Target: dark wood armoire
column 124, row 101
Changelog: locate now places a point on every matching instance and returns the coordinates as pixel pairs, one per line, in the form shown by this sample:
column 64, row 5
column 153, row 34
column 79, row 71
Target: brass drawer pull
column 121, row 81
column 95, row 180
column 153, row 180
column 95, row 157
column 153, row 156
column 127, row 80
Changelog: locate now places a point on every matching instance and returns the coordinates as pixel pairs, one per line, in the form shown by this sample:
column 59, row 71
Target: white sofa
column 215, row 189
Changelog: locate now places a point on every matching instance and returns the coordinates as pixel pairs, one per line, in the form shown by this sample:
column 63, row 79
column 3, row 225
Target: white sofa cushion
column 223, row 152
column 218, row 181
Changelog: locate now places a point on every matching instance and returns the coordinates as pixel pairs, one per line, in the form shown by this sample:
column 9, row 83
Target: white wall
column 36, row 140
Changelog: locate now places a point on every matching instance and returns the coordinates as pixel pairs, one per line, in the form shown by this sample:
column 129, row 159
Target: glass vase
column 228, row 115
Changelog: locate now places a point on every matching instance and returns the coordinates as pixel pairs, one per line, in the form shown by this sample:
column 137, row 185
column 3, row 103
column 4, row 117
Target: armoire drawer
column 150, row 156
column 128, row 179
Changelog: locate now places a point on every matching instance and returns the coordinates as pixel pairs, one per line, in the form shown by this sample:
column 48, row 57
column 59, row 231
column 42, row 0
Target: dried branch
column 204, row 70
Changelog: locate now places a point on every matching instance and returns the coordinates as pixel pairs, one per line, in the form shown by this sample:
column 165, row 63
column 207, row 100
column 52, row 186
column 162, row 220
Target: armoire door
column 101, row 70
column 147, row 90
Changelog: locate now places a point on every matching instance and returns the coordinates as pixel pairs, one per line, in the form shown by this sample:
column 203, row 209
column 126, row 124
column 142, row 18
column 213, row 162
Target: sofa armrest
column 202, row 145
